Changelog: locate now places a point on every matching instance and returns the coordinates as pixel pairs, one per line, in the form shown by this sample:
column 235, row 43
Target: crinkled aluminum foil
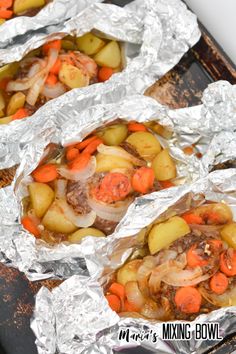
column 80, row 320
column 55, row 12
column 155, row 36
column 34, row 257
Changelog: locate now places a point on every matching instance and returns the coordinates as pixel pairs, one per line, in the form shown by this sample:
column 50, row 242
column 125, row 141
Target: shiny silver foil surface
column 79, row 319
column 34, row 257
column 55, row 12
column 154, row 36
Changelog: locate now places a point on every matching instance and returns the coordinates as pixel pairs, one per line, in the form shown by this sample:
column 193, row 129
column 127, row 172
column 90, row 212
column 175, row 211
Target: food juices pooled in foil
column 86, row 188
column 53, row 69
column 186, row 267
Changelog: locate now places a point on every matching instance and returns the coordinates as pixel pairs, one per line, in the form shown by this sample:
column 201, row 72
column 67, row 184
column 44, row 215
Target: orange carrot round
column 51, row 45
column 219, row 283
column 136, row 127
column 228, row 262
column 30, row 226
column 85, row 142
column 104, row 74
column 6, row 3
column 6, row 14
column 192, row 219
column 92, row 147
column 56, row 67
column 143, row 179
column 188, row 299
column 118, row 289
column 51, row 80
column 71, row 153
column 45, row 173
column 115, row 186
column 20, row 113
column 114, row 302
column 80, row 162
column 194, row 259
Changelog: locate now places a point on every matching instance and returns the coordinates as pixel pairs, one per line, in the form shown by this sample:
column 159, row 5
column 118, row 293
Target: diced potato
column 164, row 166
column 8, row 70
column 2, row 102
column 162, row 235
column 145, row 143
column 5, row 120
column 110, row 55
column 114, row 134
column 128, row 272
column 77, row 236
column 24, row 5
column 72, row 77
column 2, row 21
column 16, row 102
column 41, row 197
column 55, row 220
column 90, row 44
column 107, row 163
column 228, row 234
column 68, row 44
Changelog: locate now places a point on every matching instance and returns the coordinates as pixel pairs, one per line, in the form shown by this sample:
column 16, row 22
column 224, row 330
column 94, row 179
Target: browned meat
column 77, row 198
column 105, row 225
column 131, row 150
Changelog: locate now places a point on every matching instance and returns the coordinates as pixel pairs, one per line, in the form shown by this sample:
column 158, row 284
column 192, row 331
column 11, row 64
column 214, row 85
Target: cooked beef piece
column 224, row 165
column 131, row 150
column 77, row 198
column 106, row 226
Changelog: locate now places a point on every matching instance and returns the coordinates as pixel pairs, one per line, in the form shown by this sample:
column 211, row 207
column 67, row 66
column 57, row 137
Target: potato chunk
column 72, row 77
column 228, row 234
column 110, row 55
column 163, row 234
column 128, row 272
column 90, row 44
column 8, row 70
column 164, row 166
column 114, row 134
column 145, row 143
column 24, row 5
column 107, row 163
column 55, row 220
column 5, row 120
column 16, row 102
column 41, row 197
column 77, row 236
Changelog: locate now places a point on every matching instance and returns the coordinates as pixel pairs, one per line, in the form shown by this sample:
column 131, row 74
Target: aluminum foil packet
column 55, row 12
column 79, row 301
column 155, row 35
column 36, row 258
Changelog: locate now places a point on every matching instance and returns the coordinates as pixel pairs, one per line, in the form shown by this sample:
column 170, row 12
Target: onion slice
column 119, row 152
column 187, row 277
column 53, row 91
column 111, row 212
column 223, row 300
column 82, row 175
column 60, row 188
column 82, row 220
column 133, row 294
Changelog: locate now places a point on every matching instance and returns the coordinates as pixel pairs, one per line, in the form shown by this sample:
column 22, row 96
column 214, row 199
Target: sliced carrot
column 114, row 302
column 128, row 307
column 6, row 14
column 212, row 217
column 4, row 82
column 166, row 184
column 188, row 150
column 30, row 226
column 143, row 179
column 86, row 142
column 104, row 74
column 228, row 262
column 80, row 162
column 6, row 3
column 136, row 127
column 51, row 45
column 92, row 147
column 194, row 259
column 192, row 219
column 115, row 186
column 45, row 173
column 188, row 299
column 56, row 67
column 71, row 153
column 51, row 80
column 219, row 283
column 20, row 113
column 118, row 289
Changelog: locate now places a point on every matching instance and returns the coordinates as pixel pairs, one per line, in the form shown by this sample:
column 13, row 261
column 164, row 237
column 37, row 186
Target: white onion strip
column 82, row 220
column 54, row 91
column 185, row 277
column 82, row 175
column 60, row 188
column 119, row 152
